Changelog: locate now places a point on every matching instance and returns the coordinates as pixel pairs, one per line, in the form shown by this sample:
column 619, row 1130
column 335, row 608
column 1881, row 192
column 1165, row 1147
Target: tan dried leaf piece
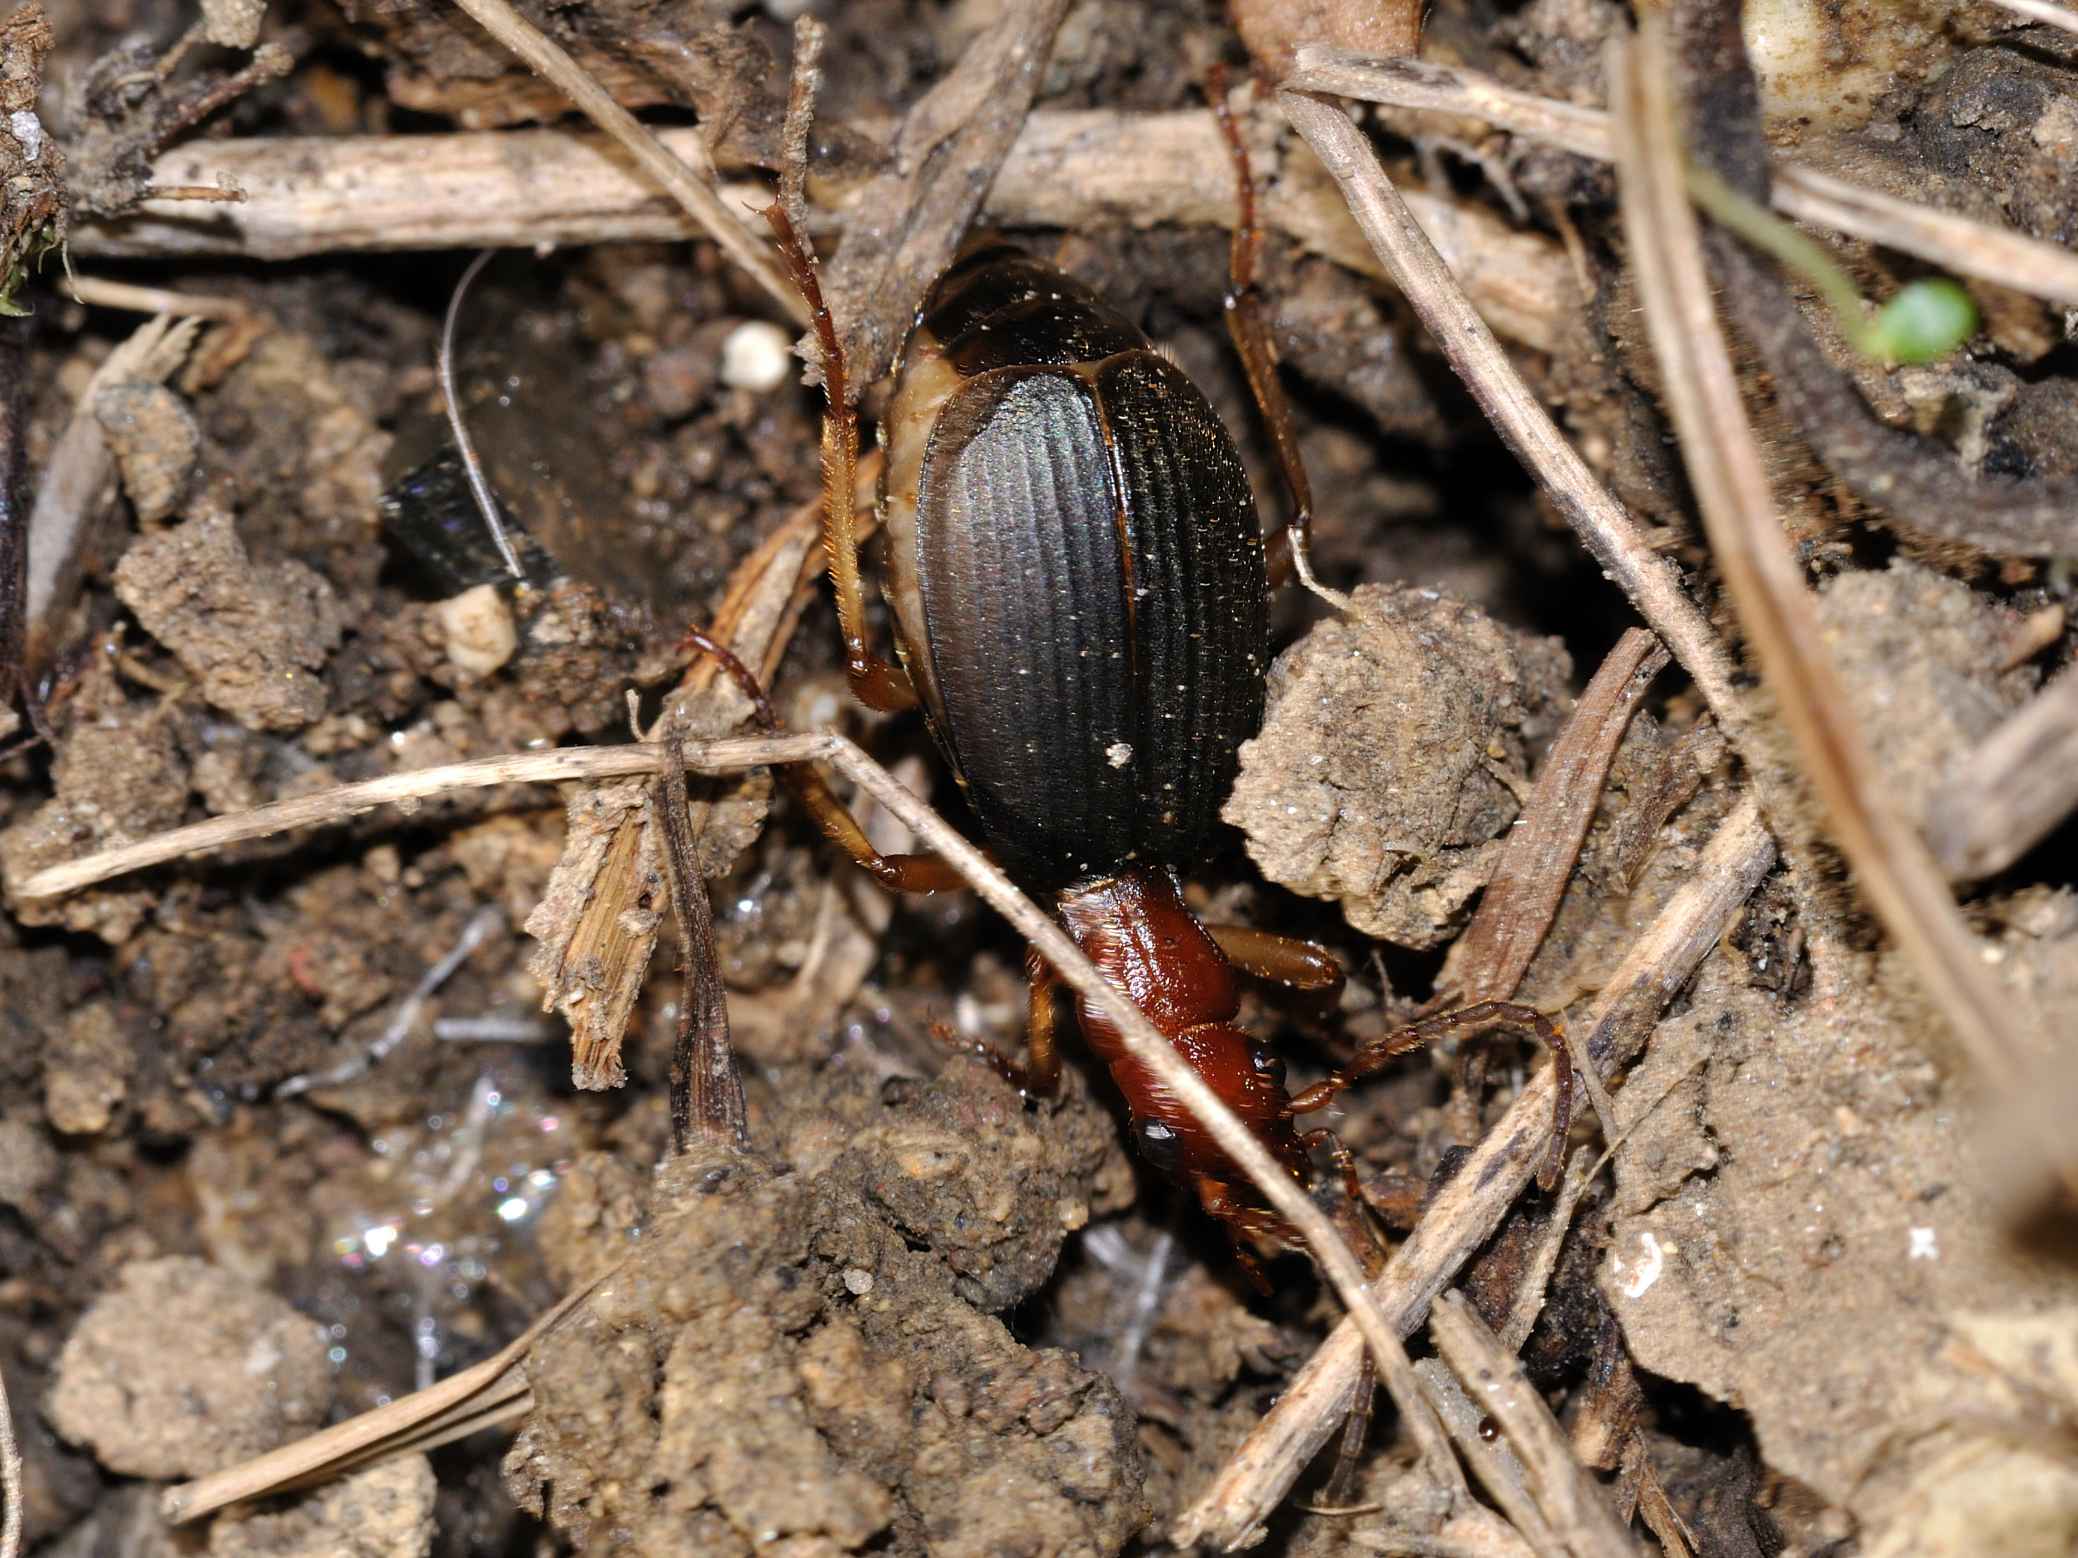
column 597, row 925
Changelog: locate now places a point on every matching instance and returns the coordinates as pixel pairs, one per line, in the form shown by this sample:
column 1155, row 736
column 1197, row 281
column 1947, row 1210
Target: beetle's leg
column 1356, row 1229
column 1363, row 1241
column 897, row 873
column 1284, row 960
column 1042, row 1051
column 1248, row 1226
column 877, row 683
column 1040, row 1075
column 1477, row 1018
column 1286, row 547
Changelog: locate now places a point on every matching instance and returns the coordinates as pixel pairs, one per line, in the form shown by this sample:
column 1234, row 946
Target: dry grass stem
column 1489, row 960
column 2042, row 11
column 1611, row 535
column 1143, row 1040
column 466, row 190
column 1450, row 89
column 10, row 1479
column 804, row 82
column 1954, row 242
column 405, row 789
column 465, row 446
column 1491, row 1457
column 706, row 1088
column 1891, row 863
column 99, row 292
column 2009, row 794
column 675, row 171
column 1486, row 1538
column 488, row 1392
column 521, row 188
column 1468, row 1209
column 1572, row 1504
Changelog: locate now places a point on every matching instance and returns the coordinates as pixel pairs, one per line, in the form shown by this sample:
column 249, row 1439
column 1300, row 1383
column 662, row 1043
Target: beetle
column 1078, row 583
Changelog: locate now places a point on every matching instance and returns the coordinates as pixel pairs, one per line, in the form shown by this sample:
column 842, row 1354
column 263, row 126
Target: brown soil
column 285, row 1134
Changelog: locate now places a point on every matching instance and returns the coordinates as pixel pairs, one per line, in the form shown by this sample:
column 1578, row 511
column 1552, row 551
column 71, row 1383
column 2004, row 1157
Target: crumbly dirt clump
column 385, row 1511
column 254, row 637
column 184, row 1368
column 1801, row 1186
column 1394, row 755
column 784, row 1361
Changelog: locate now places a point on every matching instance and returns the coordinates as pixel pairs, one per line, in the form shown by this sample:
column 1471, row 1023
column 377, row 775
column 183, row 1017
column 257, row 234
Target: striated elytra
column 1076, row 571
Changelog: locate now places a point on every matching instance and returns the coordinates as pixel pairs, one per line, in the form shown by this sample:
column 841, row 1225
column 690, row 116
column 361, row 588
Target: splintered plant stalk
column 706, row 1088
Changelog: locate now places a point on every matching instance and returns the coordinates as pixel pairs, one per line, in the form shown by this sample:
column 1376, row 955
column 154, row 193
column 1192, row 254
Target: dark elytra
column 1090, row 572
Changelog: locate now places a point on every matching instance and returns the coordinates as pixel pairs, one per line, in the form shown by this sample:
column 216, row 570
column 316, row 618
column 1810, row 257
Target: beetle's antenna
column 741, row 674
column 471, row 465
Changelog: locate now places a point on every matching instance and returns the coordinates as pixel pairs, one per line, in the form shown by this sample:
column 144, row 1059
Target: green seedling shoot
column 1926, row 320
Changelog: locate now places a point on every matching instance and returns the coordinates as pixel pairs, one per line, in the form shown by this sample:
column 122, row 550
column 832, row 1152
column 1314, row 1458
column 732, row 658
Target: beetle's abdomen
column 1090, row 575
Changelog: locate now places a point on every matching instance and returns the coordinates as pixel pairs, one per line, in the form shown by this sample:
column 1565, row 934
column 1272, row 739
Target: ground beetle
column 1078, row 582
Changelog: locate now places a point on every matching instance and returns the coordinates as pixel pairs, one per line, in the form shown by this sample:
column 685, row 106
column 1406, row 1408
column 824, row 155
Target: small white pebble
column 754, row 356
column 1645, row 1273
column 858, row 1283
column 479, row 630
column 1924, row 1245
column 1118, row 754
column 27, row 129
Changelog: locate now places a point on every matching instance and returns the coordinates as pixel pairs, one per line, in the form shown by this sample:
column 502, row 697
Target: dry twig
column 1489, row 960
column 706, row 1089
column 906, row 223
column 405, row 789
column 1528, row 1302
column 1891, row 863
column 1580, row 1518
column 10, row 1479
column 2043, row 11
column 1493, row 1460
column 520, row 188
column 2005, row 797
column 15, row 514
column 1945, row 238
column 99, row 292
column 489, row 1392
column 1468, row 1209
